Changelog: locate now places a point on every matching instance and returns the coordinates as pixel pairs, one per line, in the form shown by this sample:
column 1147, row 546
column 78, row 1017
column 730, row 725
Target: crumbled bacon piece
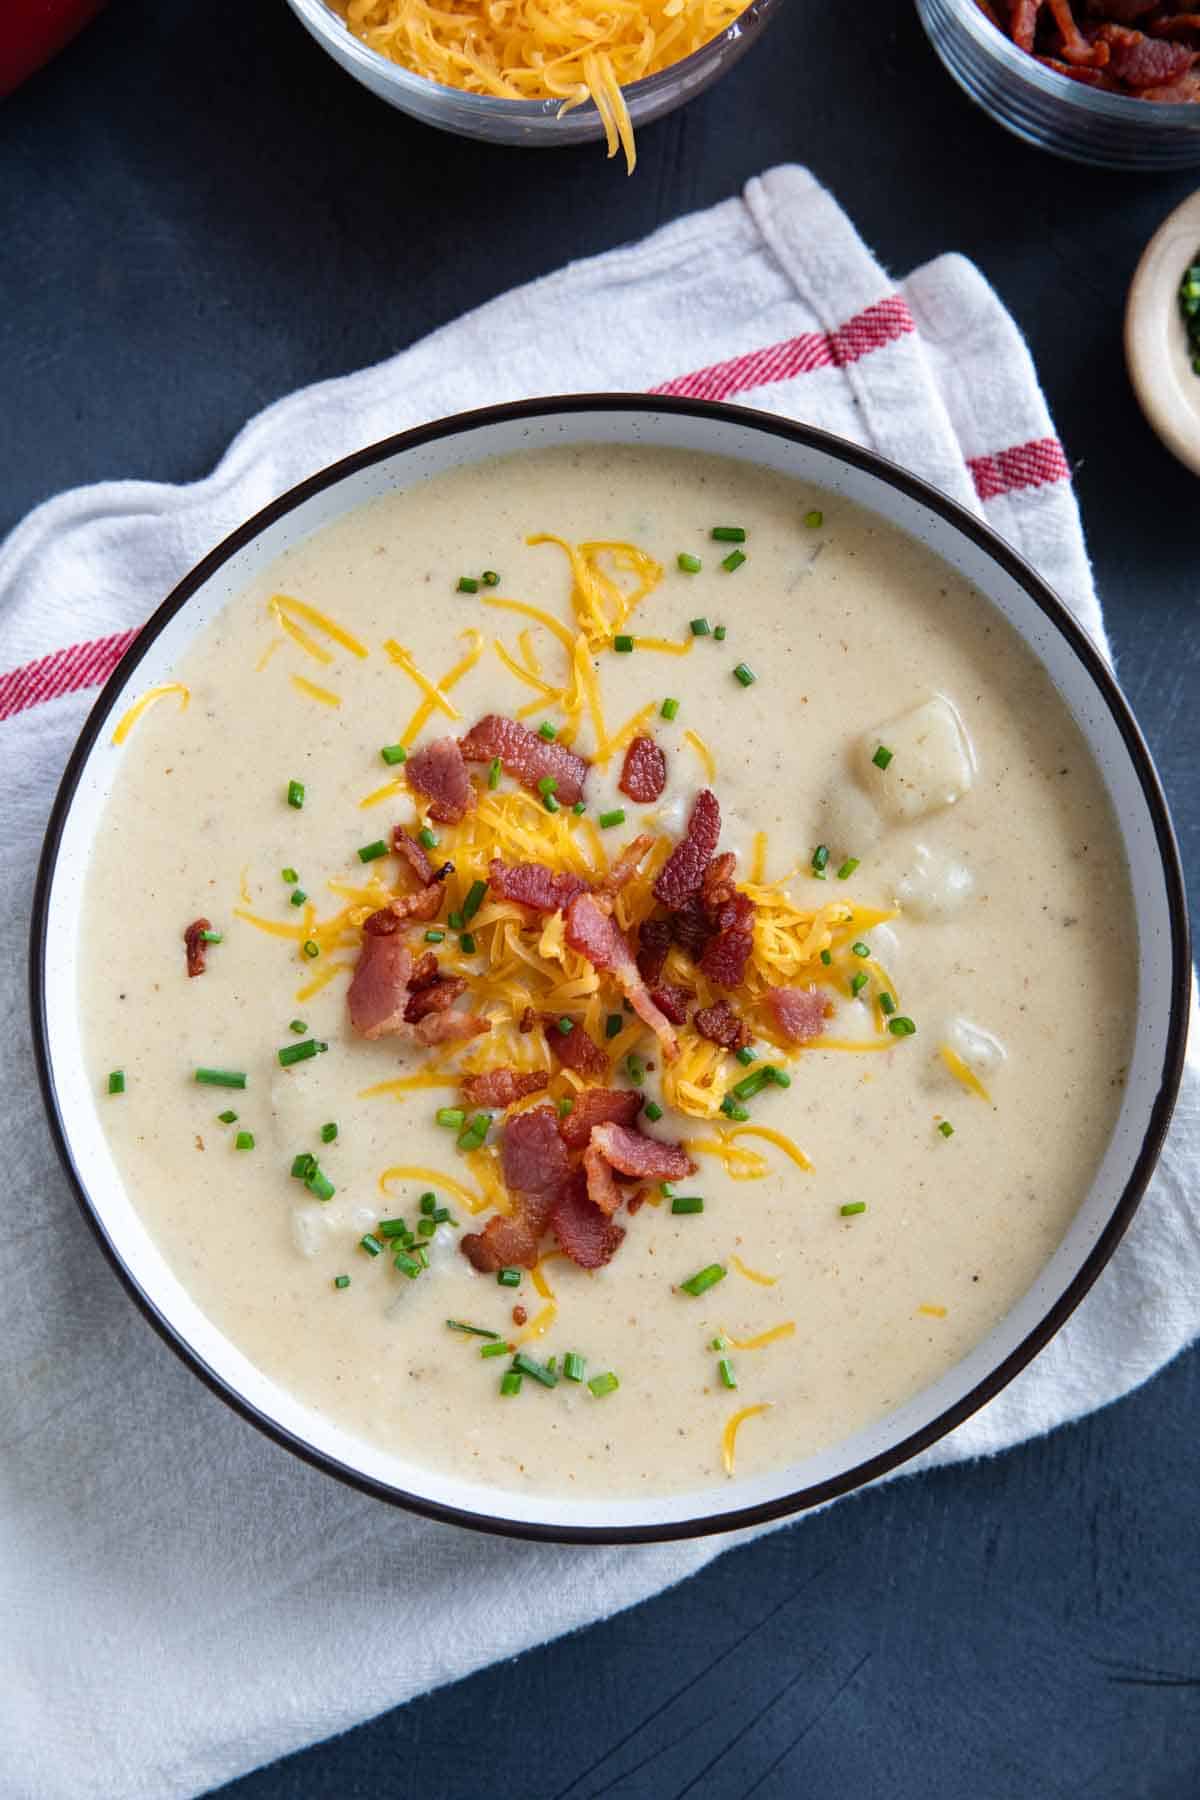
column 519, row 1315
column 1109, row 54
column 638, row 1201
column 503, row 1087
column 439, row 772
column 575, row 1049
column 672, row 1001
column 683, row 872
column 691, row 927
column 726, row 955
column 1144, row 62
column 598, row 1106
column 718, row 888
column 587, row 1235
column 800, row 1013
column 626, row 865
column 425, row 972
column 602, row 1187
column 528, row 1020
column 450, row 1027
column 414, row 854
column 721, row 1025
column 526, row 756
column 378, row 992
column 436, row 996
column 644, row 773
column 654, row 941
column 195, row 946
column 426, row 903
column 633, row 1153
column 534, row 1163
column 592, row 931
column 534, row 885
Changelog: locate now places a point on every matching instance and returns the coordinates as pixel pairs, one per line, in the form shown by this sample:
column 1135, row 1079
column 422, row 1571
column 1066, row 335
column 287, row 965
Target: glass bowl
column 1113, row 131
column 528, row 122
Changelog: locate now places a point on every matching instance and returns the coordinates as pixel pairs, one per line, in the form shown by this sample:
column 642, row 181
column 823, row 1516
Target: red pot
column 32, row 31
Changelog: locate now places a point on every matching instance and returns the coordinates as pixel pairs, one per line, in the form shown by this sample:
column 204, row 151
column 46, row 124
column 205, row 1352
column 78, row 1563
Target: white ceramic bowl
column 1156, row 347
column 817, row 460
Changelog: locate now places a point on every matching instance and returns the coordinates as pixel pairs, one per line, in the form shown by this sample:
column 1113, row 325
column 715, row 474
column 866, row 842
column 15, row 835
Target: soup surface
column 926, row 867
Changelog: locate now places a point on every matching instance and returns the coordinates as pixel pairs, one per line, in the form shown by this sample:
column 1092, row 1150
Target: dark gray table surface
column 198, row 213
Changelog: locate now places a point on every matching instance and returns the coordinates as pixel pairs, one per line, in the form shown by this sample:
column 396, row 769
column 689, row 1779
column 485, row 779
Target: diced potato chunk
column 935, row 884
column 932, row 763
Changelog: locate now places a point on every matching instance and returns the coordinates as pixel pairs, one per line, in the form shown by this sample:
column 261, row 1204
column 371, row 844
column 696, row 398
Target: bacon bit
column 425, row 972
column 1144, row 62
column 575, row 1049
column 691, row 927
column 592, row 931
column 426, row 903
column 414, row 855
column 436, row 996
column 528, row 1020
column 683, row 872
column 586, row 1234
column 534, row 885
column 526, row 756
column 721, row 1025
column 601, row 1182
column 197, row 949
column 626, row 865
column 519, row 1316
column 503, row 1087
column 378, row 989
column 654, row 942
column 726, row 955
column 384, row 923
column 598, row 1106
column 718, row 889
column 633, row 1153
column 638, row 1201
column 644, row 774
column 534, row 1164
column 451, row 1027
column 800, row 1013
column 439, row 772
column 672, row 1001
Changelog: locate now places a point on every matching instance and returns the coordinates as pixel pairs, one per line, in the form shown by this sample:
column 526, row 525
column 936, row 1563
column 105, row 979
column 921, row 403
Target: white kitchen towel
column 179, row 1599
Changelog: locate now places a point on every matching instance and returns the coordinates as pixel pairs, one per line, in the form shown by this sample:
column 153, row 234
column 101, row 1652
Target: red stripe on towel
column 62, row 672
column 1022, row 466
column 874, row 329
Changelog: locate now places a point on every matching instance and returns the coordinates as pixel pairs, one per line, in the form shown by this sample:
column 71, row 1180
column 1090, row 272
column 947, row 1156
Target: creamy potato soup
column 630, row 976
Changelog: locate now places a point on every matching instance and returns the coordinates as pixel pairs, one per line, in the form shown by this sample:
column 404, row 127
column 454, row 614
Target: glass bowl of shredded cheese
column 537, row 72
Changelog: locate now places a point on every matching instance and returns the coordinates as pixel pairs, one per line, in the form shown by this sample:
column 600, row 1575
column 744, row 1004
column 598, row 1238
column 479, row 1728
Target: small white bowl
column 817, row 460
column 1156, row 345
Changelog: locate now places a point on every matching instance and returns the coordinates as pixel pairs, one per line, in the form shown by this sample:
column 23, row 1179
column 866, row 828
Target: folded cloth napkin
column 206, row 1601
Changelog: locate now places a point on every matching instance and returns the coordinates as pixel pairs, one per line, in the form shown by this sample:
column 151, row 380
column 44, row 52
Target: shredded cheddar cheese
column 963, row 1072
column 695, row 742
column 933, row 1312
column 474, row 1202
column 275, row 644
column 324, row 695
column 763, row 1338
column 732, row 1426
column 755, row 1275
column 601, row 605
column 403, row 660
column 287, row 609
column 142, row 704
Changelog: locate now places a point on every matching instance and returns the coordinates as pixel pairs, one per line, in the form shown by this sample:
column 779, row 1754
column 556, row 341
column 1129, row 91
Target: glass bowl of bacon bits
column 1110, row 82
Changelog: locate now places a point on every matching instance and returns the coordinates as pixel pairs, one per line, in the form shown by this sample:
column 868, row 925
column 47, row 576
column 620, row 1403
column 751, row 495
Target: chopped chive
column 474, row 899
column 719, row 633
column 508, row 1277
column 820, row 857
column 298, row 896
column 733, row 561
column 393, row 754
column 718, row 1343
column 691, row 565
column 370, row 1243
column 310, row 948
column 745, row 674
column 899, row 1026
column 294, row 1053
column 635, row 1068
column 498, row 1349
column 474, row 1133
column 574, row 1366
column 490, row 578
column 290, row 876
column 428, row 1203
column 494, row 772
column 435, row 937
column 887, row 1004
column 341, row 1281
column 228, row 1078
column 669, row 709
column 295, row 794
column 847, row 868
column 212, row 937
column 654, row 1111
column 551, row 804
column 428, row 838
column 467, row 584
column 851, row 1207
column 510, row 1383
column 733, row 1109
column 700, row 628
column 703, row 1279
column 407, row 1265
column 329, row 1132
column 827, row 957
column 752, row 1084
column 608, row 819
column 666, row 1189
column 396, row 1228
column 745, row 1056
column 244, row 1140
column 548, row 731
column 303, row 1165
column 319, row 1184
column 882, row 757
column 613, row 1024
column 946, row 1128
column 860, row 949
column 529, row 1365
column 466, row 944
column 858, row 982
column 298, row 1026
column 451, row 1117
column 228, row 1117
column 455, row 921
column 725, row 1371
column 116, row 1082
column 814, row 520
column 472, row 1330
column 372, row 852
column 623, row 643
column 441, row 1215
column 729, row 534
column 779, row 1077
column 579, row 807
column 566, row 1026
column 564, row 1106
column 604, row 1384
column 687, row 1203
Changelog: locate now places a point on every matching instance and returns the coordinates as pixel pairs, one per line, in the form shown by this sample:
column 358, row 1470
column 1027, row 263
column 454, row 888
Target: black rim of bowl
column 1156, row 1125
